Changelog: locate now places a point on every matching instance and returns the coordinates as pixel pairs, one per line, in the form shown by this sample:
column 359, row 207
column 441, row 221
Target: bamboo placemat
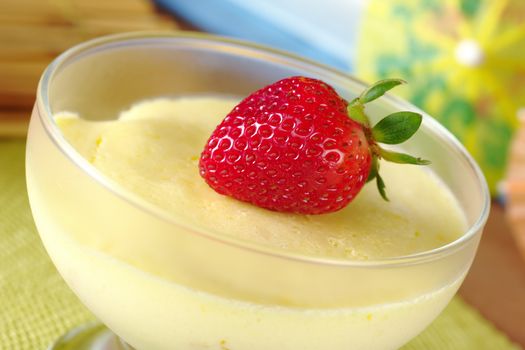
column 33, row 32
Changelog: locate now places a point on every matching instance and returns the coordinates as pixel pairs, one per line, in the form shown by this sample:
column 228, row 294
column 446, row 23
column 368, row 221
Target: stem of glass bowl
column 90, row 336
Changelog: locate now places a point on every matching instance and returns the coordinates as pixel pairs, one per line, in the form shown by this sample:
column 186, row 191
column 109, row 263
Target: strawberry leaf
column 393, row 129
column 379, row 88
column 374, row 169
column 356, row 112
column 402, row 158
column 396, row 127
column 381, row 187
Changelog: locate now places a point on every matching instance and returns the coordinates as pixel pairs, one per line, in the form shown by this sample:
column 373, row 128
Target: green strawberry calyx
column 393, row 129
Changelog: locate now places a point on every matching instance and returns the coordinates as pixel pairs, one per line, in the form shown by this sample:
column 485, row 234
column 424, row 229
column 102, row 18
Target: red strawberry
column 297, row 146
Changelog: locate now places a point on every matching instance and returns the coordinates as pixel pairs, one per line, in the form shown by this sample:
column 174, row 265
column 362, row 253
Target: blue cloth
column 293, row 26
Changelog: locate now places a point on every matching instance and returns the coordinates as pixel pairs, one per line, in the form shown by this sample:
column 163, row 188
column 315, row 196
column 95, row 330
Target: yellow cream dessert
column 152, row 151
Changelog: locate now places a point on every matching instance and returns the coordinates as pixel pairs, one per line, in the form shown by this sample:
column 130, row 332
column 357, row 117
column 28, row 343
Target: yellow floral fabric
column 464, row 61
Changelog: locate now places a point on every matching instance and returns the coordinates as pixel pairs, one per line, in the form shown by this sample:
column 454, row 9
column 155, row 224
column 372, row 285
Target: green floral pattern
column 417, row 40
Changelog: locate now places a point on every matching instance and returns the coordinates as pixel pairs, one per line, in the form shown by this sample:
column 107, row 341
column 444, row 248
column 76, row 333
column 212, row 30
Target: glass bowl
column 240, row 296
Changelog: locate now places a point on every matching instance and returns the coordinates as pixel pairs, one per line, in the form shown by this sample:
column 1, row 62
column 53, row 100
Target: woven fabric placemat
column 36, row 306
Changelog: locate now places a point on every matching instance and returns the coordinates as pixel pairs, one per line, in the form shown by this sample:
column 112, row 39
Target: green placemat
column 36, row 306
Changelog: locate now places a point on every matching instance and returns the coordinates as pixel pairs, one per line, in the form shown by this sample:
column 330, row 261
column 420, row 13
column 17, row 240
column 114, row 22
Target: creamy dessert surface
column 153, row 150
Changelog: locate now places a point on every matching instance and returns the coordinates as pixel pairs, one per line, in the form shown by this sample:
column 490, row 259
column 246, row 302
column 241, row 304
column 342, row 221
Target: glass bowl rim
column 52, row 130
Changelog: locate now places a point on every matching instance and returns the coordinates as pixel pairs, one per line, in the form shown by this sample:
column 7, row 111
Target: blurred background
column 464, row 60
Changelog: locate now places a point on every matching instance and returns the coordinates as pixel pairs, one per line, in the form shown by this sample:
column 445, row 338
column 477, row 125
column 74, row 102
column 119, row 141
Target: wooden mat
column 33, row 32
